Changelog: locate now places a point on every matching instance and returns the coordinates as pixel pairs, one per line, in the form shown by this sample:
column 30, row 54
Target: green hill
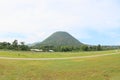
column 60, row 39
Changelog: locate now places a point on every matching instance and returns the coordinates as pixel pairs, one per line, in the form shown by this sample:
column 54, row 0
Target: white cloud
column 37, row 19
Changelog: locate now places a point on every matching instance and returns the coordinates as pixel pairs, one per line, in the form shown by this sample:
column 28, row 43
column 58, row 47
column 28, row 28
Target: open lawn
column 96, row 68
column 29, row 54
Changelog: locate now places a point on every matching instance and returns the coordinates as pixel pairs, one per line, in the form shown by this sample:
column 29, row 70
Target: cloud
column 37, row 19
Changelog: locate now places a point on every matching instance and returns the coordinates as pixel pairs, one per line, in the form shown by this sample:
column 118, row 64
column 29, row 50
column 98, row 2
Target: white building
column 36, row 50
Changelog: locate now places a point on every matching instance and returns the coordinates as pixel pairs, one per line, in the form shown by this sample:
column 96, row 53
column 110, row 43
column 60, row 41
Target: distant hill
column 33, row 44
column 60, row 38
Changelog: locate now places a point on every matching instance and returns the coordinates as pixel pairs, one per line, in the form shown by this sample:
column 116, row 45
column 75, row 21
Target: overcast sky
column 90, row 21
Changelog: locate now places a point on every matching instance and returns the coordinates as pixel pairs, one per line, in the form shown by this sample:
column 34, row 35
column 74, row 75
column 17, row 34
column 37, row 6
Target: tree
column 23, row 47
column 5, row 45
column 99, row 47
column 84, row 48
column 15, row 45
column 22, row 43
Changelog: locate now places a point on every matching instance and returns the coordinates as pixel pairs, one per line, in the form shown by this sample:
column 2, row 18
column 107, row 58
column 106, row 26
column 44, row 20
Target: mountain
column 60, row 38
column 32, row 44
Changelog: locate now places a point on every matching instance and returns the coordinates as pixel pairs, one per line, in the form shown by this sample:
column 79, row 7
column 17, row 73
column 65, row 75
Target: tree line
column 78, row 48
column 71, row 48
column 14, row 46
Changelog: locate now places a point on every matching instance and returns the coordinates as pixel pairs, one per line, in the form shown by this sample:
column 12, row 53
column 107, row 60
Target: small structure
column 36, row 50
column 51, row 50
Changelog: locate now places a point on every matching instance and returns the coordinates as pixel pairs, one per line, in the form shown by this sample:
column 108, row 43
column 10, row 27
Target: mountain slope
column 60, row 39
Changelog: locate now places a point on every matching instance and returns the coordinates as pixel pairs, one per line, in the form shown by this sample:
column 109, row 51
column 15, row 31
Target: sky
column 90, row 21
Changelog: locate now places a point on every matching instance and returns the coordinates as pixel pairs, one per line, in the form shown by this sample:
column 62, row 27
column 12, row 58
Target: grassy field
column 97, row 68
column 29, row 54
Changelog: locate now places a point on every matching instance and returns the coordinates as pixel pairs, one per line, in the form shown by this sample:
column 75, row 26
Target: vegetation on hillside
column 63, row 42
column 60, row 39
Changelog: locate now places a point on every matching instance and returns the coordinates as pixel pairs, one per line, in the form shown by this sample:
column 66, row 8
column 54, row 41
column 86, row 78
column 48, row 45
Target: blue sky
column 90, row 21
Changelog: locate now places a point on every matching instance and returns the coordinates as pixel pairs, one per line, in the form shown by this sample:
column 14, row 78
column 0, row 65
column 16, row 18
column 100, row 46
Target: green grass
column 99, row 68
column 28, row 54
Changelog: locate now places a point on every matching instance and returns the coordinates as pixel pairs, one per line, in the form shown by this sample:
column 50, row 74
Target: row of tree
column 71, row 48
column 78, row 48
column 21, row 46
column 14, row 46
